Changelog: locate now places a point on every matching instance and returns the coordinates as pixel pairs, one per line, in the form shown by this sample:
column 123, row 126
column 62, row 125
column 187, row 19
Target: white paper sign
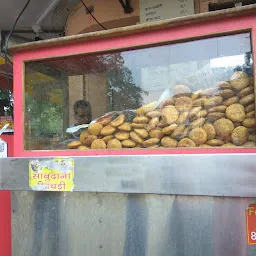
column 154, row 10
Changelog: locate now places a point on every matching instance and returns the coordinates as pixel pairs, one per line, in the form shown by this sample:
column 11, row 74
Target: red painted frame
column 180, row 33
column 5, row 210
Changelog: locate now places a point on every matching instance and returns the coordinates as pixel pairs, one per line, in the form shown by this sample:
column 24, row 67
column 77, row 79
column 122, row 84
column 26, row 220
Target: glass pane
column 192, row 94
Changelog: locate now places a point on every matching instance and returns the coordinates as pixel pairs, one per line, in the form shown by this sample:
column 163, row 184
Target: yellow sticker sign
column 55, row 174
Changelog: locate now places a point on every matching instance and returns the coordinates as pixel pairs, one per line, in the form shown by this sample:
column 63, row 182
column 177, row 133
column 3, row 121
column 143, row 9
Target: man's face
column 82, row 116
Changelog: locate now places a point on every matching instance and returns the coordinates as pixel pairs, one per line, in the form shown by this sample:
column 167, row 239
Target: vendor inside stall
column 82, row 114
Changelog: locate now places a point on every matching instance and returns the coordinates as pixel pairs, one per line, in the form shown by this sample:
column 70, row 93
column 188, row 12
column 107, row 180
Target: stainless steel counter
column 167, row 205
column 211, row 175
column 112, row 224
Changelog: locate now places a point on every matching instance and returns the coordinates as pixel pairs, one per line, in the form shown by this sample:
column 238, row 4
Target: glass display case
column 135, row 92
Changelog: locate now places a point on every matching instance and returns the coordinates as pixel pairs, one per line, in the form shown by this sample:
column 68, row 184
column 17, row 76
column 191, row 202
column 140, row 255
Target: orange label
column 251, row 224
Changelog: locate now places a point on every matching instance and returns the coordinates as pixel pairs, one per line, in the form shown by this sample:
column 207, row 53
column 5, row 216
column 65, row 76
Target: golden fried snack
column 231, row 101
column 249, row 108
column 198, row 135
column 98, row 144
column 226, row 93
column 154, row 146
column 125, row 127
column 170, row 114
column 246, row 91
column 114, row 144
column 88, row 141
column 213, row 101
column 228, row 145
column 154, row 113
column 178, row 133
column 239, row 135
column 198, row 123
column 215, row 142
column 200, row 114
column 154, row 122
column 225, row 139
column 223, row 127
column 169, row 129
column 199, row 102
column 195, row 95
column 108, row 138
column 135, row 137
column 122, row 135
column 168, row 142
column 151, row 127
column 128, row 143
column 138, row 126
column 105, row 122
column 221, row 108
column 162, row 124
column 142, row 133
column 250, row 114
column 249, row 144
column 84, row 135
column 183, row 103
column 194, row 111
column 83, row 148
column 118, row 121
column 211, row 117
column 203, row 113
column 249, row 122
column 141, row 120
column 168, row 102
column 205, row 146
column 224, row 85
column 156, row 133
column 108, row 130
column 235, row 112
column 186, row 143
column 181, row 90
column 246, row 100
column 183, row 117
column 210, row 131
column 95, row 129
column 150, row 142
column 239, row 80
column 146, row 108
column 74, row 144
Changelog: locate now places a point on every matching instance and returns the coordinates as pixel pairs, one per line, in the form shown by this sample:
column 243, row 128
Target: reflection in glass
column 125, row 81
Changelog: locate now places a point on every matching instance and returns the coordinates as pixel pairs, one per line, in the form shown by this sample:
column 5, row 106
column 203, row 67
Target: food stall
column 167, row 165
column 6, row 113
column 6, row 136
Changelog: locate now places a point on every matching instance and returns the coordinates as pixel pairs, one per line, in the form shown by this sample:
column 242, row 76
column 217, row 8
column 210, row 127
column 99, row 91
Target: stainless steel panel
column 213, row 175
column 100, row 224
